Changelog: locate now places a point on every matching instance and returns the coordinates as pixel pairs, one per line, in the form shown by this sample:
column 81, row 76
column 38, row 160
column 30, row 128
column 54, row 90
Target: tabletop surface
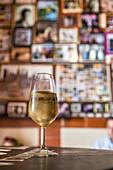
column 67, row 159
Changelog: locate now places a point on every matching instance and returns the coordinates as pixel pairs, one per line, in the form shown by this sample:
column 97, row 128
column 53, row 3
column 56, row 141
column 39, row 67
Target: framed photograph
column 74, row 82
column 20, row 54
column 6, row 1
column 64, row 110
column 92, row 52
column 24, row 15
column 106, row 6
column 85, row 35
column 22, row 37
column 17, row 109
column 89, row 107
column 25, row 1
column 75, row 107
column 100, row 108
column 68, row 35
column 69, row 20
column 4, row 57
column 109, row 22
column 47, row 10
column 66, row 52
column 46, row 32
column 108, row 42
column 90, row 20
column 16, row 80
column 3, row 107
column 42, row 52
column 71, row 6
column 97, row 38
column 91, row 6
column 5, row 15
column 5, row 39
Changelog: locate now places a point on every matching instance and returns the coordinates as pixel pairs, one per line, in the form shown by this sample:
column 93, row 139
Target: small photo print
column 4, row 57
column 91, row 6
column 2, row 109
column 91, row 52
column 24, row 16
column 69, row 20
column 46, row 32
column 75, row 107
column 17, row 109
column 108, row 42
column 5, row 39
column 25, row 1
column 66, row 52
column 90, row 20
column 88, row 107
column 64, row 110
column 68, row 35
column 20, row 54
column 5, row 15
column 22, row 37
column 42, row 52
column 47, row 10
column 100, row 108
column 109, row 22
column 106, row 5
column 72, row 6
column 6, row 1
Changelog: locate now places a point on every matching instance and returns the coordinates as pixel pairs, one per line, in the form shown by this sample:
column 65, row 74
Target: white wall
column 26, row 136
column 81, row 137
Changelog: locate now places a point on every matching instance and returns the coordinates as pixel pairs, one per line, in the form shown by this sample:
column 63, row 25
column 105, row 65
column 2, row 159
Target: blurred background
column 73, row 40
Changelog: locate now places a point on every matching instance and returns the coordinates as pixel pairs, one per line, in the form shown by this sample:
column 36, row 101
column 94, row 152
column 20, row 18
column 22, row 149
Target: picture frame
column 69, row 35
column 71, row 6
column 4, row 57
column 20, row 54
column 46, row 32
column 5, row 15
column 76, row 108
column 3, row 107
column 109, row 22
column 88, row 108
column 5, row 39
column 42, row 52
column 68, row 21
column 16, row 80
column 65, row 53
column 22, row 37
column 100, row 108
column 6, row 1
column 48, row 10
column 64, row 110
column 106, row 6
column 24, row 15
column 91, row 6
column 94, row 52
column 17, row 109
column 25, row 1
column 108, row 42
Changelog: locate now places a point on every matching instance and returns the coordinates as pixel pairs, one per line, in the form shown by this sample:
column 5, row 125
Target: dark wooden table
column 68, row 159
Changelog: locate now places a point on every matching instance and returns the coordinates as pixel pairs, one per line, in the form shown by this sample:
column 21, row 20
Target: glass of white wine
column 43, row 106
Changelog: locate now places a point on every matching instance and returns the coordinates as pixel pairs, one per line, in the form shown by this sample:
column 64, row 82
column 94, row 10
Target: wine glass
column 43, row 106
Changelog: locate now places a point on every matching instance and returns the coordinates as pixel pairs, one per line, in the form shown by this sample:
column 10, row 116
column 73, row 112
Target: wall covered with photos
column 72, row 39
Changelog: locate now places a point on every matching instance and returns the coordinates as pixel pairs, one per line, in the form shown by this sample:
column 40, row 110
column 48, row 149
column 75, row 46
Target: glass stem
column 43, row 138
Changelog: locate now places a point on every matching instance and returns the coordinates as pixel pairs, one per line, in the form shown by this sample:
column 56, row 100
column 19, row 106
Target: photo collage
column 72, row 39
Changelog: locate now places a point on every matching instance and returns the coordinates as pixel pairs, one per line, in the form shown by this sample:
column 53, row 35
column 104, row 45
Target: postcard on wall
column 5, row 15
column 24, row 15
column 66, row 53
column 69, row 20
column 71, row 6
column 17, row 109
column 5, row 39
column 22, row 37
column 87, row 108
column 109, row 22
column 46, row 32
column 106, row 6
column 91, row 6
column 108, row 42
column 68, row 35
column 42, row 52
column 16, row 80
column 64, row 110
column 75, row 107
column 47, row 10
column 20, row 54
column 4, row 57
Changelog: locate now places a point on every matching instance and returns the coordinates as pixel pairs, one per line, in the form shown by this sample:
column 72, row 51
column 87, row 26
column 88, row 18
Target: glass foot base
column 45, row 153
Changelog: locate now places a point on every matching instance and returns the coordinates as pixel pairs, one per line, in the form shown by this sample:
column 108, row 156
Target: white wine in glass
column 43, row 106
